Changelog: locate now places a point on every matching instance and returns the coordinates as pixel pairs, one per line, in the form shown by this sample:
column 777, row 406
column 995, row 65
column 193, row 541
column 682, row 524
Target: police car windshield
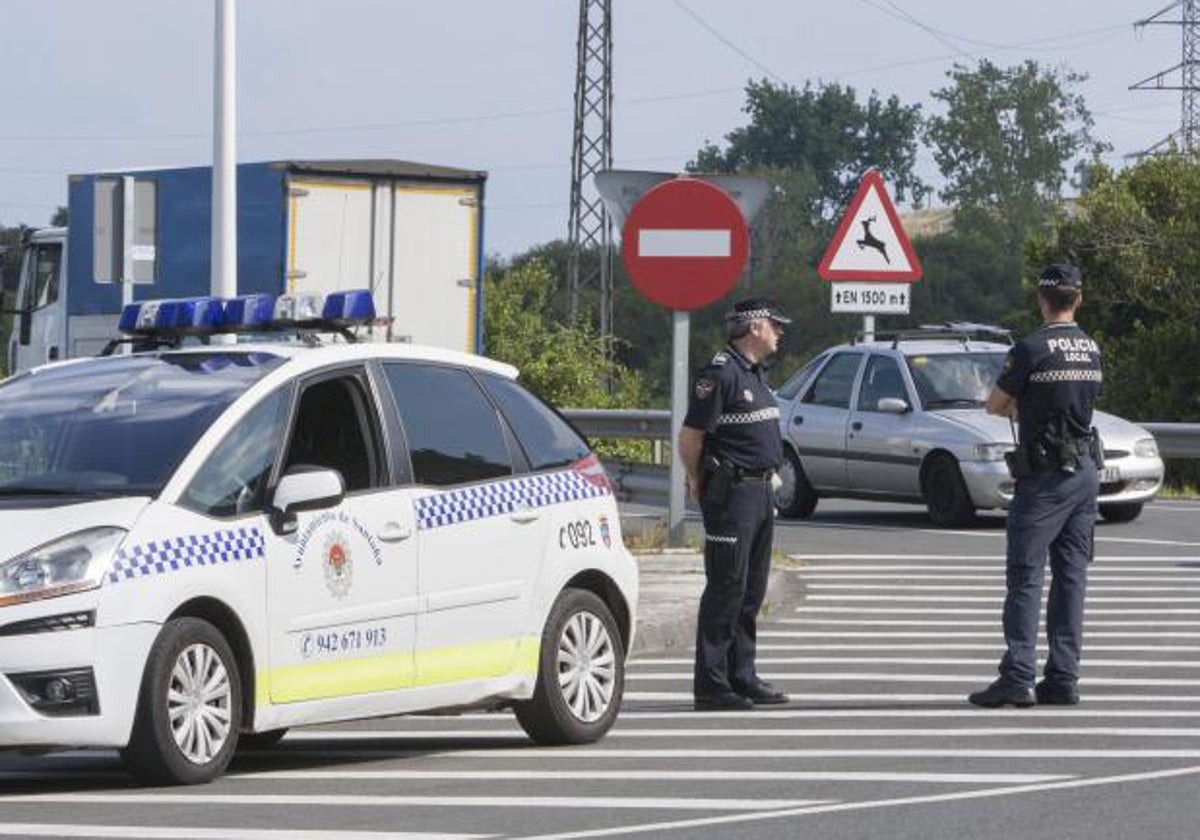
column 116, row 426
column 954, row 380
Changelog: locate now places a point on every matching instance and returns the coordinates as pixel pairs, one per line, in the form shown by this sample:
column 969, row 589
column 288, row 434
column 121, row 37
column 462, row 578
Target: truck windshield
column 955, row 380
column 118, row 426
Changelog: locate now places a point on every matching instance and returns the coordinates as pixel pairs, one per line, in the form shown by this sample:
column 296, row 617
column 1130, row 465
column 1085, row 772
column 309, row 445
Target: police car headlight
column 992, row 451
column 1145, row 448
column 70, row 564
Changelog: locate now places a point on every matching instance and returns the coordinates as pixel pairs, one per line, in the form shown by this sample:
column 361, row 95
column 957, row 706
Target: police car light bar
column 168, row 321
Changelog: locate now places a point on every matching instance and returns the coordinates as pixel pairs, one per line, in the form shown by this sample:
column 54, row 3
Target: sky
column 489, row 84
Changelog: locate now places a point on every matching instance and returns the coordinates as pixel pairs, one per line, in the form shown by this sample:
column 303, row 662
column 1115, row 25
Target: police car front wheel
column 581, row 673
column 189, row 710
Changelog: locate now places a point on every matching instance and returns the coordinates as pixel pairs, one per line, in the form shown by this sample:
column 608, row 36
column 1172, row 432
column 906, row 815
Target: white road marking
column 825, row 732
column 874, row 804
column 994, row 638
column 673, row 242
column 145, row 832
column 360, row 800
column 855, row 676
column 989, row 599
column 905, row 587
column 962, row 710
column 896, row 622
column 921, row 660
column 652, row 776
column 984, row 562
column 1091, row 612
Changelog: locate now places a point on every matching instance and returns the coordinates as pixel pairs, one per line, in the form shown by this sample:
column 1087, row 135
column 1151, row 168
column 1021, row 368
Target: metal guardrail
column 650, row 483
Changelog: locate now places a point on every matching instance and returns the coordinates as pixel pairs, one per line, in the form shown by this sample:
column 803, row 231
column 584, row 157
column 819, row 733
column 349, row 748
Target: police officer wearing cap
column 730, row 447
column 1049, row 384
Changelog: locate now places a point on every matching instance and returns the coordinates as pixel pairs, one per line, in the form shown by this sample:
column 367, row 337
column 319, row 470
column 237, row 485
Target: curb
column 670, row 586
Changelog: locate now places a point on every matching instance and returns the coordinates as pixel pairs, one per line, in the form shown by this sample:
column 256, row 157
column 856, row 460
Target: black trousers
column 1053, row 515
column 737, row 563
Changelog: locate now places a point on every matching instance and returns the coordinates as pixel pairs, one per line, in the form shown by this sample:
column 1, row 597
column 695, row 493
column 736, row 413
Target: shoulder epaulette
column 720, row 359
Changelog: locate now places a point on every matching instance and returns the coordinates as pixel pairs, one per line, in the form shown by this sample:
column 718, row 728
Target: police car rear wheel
column 795, row 498
column 946, row 497
column 581, row 673
column 1121, row 511
column 189, row 710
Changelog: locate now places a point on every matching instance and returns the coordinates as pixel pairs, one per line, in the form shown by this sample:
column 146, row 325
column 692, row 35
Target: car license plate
column 1110, row 475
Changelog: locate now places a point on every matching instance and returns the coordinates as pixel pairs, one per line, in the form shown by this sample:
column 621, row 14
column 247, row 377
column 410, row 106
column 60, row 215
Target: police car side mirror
column 893, row 405
column 304, row 488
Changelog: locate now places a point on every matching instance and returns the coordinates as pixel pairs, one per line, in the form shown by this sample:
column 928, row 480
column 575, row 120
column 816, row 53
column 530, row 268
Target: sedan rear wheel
column 946, row 496
column 795, row 497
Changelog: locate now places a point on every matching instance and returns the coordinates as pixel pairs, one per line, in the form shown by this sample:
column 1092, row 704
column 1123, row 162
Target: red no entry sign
column 685, row 244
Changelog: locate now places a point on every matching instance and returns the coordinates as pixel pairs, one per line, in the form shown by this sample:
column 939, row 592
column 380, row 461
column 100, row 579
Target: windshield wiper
column 957, row 402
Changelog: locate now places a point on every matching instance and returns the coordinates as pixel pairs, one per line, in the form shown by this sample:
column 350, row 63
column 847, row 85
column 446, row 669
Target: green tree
column 1136, row 236
column 825, row 133
column 1005, row 141
column 563, row 363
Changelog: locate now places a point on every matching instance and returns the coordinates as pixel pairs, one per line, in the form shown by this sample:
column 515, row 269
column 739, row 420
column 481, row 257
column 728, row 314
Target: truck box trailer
column 412, row 233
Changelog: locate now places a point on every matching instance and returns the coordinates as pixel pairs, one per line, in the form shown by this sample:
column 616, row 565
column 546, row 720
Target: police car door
column 342, row 587
column 879, row 451
column 820, row 421
column 480, row 543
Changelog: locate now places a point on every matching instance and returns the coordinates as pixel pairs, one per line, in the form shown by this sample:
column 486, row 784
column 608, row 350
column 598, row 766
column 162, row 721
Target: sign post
column 871, row 249
column 684, row 244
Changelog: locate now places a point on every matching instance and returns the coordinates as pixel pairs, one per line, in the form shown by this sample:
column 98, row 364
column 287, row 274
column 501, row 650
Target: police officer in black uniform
column 1050, row 383
column 730, row 447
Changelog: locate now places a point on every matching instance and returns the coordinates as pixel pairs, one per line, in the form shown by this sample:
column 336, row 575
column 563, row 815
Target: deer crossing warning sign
column 869, row 243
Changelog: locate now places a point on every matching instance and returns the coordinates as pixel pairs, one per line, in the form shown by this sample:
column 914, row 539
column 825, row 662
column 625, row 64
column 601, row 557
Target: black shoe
column 1049, row 694
column 725, row 701
column 763, row 694
column 1002, row 693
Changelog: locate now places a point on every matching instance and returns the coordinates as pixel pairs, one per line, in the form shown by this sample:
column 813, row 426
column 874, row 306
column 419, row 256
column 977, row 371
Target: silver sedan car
column 902, row 418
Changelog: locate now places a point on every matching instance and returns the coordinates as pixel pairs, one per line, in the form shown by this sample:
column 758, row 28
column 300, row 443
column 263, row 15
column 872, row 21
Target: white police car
column 215, row 543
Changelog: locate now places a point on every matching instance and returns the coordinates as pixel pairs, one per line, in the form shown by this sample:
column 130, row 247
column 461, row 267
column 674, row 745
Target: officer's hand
column 692, row 490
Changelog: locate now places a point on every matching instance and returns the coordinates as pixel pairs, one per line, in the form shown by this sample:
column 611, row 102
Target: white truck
column 412, row 233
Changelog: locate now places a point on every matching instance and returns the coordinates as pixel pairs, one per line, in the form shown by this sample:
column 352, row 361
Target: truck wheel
column 581, row 673
column 261, row 740
column 946, row 497
column 795, row 498
column 1121, row 511
column 189, row 709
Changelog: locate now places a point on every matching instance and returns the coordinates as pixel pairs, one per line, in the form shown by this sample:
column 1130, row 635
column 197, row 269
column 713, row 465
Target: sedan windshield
column 955, row 380
column 116, row 426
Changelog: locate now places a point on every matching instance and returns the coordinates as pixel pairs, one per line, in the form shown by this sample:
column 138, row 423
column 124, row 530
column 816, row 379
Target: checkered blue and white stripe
column 173, row 554
column 501, row 497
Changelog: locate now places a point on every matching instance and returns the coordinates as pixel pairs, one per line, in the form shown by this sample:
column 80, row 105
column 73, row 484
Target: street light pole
column 224, row 196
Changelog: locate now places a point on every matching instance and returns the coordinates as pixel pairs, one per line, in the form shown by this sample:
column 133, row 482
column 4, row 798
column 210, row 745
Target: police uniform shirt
column 1054, row 370
column 733, row 405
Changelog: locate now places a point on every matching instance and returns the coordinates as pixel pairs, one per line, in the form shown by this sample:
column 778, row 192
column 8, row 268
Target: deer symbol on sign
column 869, row 240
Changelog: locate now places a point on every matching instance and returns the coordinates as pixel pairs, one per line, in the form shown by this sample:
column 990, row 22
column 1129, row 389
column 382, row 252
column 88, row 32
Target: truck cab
column 39, row 330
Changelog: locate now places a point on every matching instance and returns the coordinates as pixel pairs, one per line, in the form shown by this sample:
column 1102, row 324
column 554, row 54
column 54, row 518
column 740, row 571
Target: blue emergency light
column 168, row 321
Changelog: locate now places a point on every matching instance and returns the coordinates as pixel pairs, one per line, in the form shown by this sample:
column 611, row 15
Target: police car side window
column 453, row 432
column 548, row 440
column 336, row 428
column 232, row 480
column 834, row 383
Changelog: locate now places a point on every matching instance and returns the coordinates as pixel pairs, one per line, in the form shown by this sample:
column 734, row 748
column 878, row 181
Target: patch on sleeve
column 704, row 387
column 720, row 359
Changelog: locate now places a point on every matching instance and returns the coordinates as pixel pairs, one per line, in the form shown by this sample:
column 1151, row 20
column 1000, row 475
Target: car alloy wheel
column 198, row 702
column 586, row 666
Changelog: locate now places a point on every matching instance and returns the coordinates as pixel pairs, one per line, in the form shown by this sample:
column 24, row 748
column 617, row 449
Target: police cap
column 745, row 311
column 1060, row 276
